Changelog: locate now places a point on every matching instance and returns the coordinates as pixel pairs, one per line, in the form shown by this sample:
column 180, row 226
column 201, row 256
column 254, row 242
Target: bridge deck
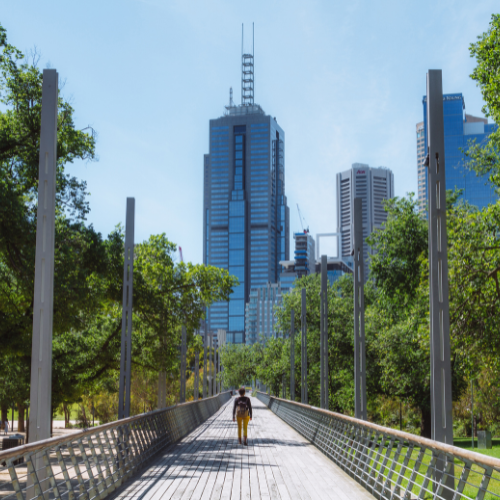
column 210, row 464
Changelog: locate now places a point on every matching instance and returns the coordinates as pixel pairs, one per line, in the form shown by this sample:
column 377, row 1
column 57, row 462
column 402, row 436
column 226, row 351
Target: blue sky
column 345, row 81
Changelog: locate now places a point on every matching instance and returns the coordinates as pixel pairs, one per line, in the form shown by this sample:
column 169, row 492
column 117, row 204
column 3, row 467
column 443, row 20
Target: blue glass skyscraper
column 245, row 211
column 460, row 130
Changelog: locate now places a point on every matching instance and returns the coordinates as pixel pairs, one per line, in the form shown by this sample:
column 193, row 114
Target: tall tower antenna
column 247, row 74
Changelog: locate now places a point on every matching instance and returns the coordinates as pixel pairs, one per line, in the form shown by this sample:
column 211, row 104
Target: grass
column 466, row 444
column 474, row 479
column 57, row 416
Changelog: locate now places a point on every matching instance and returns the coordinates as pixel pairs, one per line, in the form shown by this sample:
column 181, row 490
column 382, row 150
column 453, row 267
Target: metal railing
column 392, row 464
column 93, row 463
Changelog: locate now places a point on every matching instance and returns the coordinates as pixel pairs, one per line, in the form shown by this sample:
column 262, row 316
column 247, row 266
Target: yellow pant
column 242, row 421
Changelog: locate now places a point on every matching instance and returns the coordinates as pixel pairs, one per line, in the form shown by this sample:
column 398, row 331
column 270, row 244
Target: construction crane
column 300, row 218
column 180, row 253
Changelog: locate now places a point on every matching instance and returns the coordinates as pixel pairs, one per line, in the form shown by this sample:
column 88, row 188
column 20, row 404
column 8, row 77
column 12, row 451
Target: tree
column 239, row 364
column 168, row 295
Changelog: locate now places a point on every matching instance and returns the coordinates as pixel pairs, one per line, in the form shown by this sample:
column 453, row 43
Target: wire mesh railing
column 93, row 463
column 392, row 464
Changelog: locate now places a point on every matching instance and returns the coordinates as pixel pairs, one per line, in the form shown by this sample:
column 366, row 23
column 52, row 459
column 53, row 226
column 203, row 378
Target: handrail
column 94, row 462
column 389, row 463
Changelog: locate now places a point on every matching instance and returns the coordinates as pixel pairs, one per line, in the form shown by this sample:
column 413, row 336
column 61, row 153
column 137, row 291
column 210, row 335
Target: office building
column 260, row 314
column 260, row 311
column 245, row 213
column 460, row 130
column 373, row 186
column 421, row 170
column 304, row 253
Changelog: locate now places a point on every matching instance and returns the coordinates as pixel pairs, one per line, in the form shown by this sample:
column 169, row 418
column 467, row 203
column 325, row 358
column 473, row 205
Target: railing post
column 324, row 334
column 441, row 403
column 359, row 314
column 303, row 385
column 126, row 344
column 182, row 398
column 292, row 355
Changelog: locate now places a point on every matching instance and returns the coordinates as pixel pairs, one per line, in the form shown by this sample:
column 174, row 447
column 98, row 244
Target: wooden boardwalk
column 210, row 464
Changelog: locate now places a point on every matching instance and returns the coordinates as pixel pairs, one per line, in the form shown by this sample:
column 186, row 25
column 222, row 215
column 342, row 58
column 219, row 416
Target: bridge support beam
column 205, row 366
column 196, row 375
column 324, row 334
column 359, row 315
column 292, row 355
column 441, row 402
column 43, row 298
column 182, row 398
column 126, row 344
column 211, row 366
column 304, row 398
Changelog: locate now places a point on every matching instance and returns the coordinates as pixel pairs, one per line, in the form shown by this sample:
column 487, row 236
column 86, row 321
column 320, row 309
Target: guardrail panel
column 392, row 464
column 93, row 463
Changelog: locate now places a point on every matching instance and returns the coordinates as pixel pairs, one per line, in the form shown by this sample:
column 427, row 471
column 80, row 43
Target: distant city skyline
column 343, row 79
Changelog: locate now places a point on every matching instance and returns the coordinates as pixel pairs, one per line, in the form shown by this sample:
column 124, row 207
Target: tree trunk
column 66, row 416
column 85, row 423
column 426, row 423
column 4, row 410
column 20, row 417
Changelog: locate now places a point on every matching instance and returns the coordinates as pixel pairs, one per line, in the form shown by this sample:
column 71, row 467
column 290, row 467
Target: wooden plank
column 209, row 464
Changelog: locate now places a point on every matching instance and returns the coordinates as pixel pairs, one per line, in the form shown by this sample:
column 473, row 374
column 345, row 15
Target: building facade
column 373, row 186
column 245, row 213
column 260, row 317
column 460, row 131
column 304, row 253
column 421, row 170
column 260, row 311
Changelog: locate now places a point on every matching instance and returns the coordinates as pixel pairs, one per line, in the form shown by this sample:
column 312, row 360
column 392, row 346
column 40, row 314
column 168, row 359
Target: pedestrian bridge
column 295, row 451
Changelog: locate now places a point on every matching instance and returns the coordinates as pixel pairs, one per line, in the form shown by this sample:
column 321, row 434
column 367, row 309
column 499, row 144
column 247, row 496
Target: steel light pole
column 324, row 334
column 292, row 355
column 182, row 397
column 126, row 345
column 43, row 298
column 359, row 315
column 304, row 398
column 205, row 368
column 196, row 375
column 441, row 402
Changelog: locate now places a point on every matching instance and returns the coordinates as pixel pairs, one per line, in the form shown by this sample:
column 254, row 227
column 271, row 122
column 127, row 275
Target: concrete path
column 210, row 464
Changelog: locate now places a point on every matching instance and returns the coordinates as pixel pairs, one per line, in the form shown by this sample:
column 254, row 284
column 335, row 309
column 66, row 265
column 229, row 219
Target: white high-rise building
column 373, row 186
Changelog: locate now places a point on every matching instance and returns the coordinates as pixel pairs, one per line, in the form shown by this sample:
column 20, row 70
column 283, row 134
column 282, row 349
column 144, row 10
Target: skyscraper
column 245, row 211
column 460, row 130
column 421, row 170
column 373, row 186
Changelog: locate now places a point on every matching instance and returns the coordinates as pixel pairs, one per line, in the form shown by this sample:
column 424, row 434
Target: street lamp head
column 426, row 161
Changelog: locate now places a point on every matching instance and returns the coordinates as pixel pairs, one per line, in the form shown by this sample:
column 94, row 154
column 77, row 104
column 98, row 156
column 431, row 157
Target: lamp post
column 182, row 398
column 324, row 334
column 359, row 315
column 304, row 398
column 441, row 402
column 292, row 355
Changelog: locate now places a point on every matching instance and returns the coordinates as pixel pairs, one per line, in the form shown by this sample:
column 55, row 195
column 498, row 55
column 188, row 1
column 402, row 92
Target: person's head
column 241, row 390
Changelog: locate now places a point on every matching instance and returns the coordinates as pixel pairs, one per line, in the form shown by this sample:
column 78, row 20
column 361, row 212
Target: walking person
column 242, row 412
column 6, row 428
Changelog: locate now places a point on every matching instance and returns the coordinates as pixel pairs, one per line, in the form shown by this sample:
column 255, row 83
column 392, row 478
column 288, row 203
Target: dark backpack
column 242, row 408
